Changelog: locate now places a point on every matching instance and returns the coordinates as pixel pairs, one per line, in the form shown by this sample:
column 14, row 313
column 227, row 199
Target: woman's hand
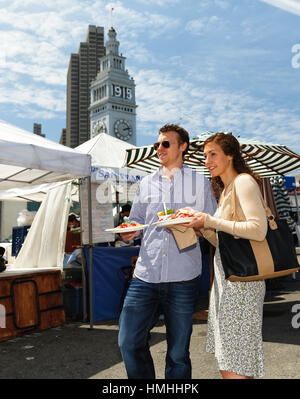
column 197, row 223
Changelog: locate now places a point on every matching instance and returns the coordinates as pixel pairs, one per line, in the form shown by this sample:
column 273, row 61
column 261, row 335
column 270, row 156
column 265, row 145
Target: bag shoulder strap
column 269, row 215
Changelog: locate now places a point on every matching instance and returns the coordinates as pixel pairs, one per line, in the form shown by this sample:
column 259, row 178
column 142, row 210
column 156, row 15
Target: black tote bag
column 250, row 260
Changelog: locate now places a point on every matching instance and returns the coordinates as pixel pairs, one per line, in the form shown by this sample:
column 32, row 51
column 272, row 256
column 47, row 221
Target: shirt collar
column 182, row 170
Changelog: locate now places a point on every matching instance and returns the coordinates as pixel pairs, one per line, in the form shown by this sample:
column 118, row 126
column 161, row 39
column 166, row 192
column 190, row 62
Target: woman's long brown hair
column 231, row 146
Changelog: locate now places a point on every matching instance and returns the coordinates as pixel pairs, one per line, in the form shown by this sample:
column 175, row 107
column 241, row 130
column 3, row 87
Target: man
column 72, row 237
column 165, row 279
column 125, row 211
column 119, row 219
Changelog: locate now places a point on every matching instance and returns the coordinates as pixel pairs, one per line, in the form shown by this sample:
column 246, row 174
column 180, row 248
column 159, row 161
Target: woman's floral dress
column 234, row 327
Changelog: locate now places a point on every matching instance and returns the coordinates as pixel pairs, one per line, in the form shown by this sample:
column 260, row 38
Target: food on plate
column 129, row 224
column 185, row 212
column 180, row 213
column 127, row 227
column 165, row 215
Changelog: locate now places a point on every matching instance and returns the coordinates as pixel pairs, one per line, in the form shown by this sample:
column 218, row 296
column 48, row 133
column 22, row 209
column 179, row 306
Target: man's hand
column 129, row 236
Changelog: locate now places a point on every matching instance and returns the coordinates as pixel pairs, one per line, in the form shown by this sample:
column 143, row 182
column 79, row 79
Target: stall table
column 30, row 300
column 109, row 279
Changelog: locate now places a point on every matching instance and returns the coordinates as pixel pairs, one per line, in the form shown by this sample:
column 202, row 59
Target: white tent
column 35, row 193
column 108, row 160
column 106, row 151
column 111, row 184
column 29, row 159
column 29, row 162
column 108, row 165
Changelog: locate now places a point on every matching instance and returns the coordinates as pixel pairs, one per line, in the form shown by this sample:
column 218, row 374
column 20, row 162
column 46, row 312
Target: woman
column 236, row 308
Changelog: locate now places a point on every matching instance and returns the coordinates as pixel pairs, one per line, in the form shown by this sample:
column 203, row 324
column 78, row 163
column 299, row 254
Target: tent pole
column 90, row 252
column 84, row 286
column 83, row 258
column 118, row 202
column 297, row 207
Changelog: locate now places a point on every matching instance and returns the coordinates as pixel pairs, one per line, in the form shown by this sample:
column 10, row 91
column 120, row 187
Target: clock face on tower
column 122, row 129
column 99, row 127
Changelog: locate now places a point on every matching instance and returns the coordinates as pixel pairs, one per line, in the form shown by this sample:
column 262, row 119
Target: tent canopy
column 265, row 159
column 27, row 159
column 106, row 151
column 108, row 159
column 35, row 193
column 30, row 163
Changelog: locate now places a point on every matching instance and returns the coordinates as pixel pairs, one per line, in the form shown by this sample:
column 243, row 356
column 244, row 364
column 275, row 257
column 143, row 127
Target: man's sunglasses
column 165, row 144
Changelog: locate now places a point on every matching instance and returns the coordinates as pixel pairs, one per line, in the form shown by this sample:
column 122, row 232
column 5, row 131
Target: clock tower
column 112, row 108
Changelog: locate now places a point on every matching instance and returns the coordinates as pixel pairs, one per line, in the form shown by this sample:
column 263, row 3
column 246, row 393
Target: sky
column 209, row 65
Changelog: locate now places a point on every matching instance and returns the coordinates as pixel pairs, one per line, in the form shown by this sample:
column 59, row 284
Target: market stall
column 96, row 216
column 110, row 184
column 31, row 286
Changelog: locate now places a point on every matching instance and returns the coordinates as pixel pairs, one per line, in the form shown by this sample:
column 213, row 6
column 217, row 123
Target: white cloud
column 210, row 3
column 160, row 3
column 201, row 25
column 291, row 6
column 133, row 23
column 35, row 114
column 51, row 31
column 39, row 60
column 135, row 53
column 38, row 36
column 32, row 95
column 222, row 3
column 34, row 43
column 161, row 99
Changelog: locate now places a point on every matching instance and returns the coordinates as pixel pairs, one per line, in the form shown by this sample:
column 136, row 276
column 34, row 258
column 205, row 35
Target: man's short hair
column 182, row 133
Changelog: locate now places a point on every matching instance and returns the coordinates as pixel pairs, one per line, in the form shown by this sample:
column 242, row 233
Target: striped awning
column 265, row 159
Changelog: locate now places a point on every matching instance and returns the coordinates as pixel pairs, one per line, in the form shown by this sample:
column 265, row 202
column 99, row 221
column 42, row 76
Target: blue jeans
column 143, row 304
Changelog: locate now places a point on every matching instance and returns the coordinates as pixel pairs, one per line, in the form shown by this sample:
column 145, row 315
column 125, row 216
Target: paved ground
column 73, row 351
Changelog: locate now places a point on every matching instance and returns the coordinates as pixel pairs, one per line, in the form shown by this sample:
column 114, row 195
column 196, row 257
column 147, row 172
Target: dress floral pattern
column 234, row 326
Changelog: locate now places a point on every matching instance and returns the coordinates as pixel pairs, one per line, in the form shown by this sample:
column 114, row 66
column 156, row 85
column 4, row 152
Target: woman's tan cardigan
column 249, row 210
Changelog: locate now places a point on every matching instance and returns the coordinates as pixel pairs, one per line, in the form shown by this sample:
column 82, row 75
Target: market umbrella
column 265, row 159
column 282, row 200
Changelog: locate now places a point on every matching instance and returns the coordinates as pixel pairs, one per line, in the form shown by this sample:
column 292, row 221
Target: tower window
column 99, row 93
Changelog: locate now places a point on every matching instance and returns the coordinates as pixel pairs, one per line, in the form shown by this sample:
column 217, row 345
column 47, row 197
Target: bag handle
column 269, row 215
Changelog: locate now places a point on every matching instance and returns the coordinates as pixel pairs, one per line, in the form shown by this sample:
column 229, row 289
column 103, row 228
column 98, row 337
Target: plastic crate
column 18, row 236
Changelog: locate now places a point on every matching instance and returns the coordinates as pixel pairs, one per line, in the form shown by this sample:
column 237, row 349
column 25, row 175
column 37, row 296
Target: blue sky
column 210, row 65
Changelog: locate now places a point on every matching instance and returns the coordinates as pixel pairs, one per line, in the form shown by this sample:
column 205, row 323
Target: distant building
column 112, row 103
column 37, row 129
column 63, row 137
column 83, row 68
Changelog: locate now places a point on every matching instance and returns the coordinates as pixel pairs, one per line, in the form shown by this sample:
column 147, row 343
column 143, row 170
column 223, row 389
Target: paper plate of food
column 171, row 217
column 127, row 227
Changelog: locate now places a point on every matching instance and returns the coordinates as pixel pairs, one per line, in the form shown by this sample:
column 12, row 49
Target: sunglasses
column 165, row 144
